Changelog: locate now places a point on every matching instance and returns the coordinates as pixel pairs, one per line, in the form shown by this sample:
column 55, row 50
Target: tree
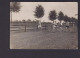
column 39, row 12
column 14, row 7
column 74, row 20
column 28, row 20
column 66, row 18
column 69, row 19
column 23, row 20
column 52, row 15
column 60, row 16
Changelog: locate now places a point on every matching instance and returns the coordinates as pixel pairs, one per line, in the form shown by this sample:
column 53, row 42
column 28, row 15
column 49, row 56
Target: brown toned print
column 43, row 25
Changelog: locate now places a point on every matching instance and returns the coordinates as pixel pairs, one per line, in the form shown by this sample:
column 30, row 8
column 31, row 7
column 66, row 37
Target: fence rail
column 34, row 26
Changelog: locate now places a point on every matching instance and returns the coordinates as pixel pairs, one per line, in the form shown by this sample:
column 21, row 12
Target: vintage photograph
column 43, row 25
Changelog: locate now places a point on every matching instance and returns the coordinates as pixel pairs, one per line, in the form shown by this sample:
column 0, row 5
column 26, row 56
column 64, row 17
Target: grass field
column 43, row 40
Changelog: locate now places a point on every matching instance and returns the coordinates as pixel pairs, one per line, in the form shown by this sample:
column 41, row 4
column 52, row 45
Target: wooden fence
column 29, row 26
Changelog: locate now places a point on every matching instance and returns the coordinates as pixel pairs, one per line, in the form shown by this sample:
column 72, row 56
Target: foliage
column 74, row 20
column 61, row 16
column 23, row 21
column 15, row 6
column 66, row 18
column 52, row 15
column 39, row 12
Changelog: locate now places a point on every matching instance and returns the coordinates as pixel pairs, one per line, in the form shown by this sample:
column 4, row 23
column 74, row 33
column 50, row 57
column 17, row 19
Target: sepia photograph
column 43, row 25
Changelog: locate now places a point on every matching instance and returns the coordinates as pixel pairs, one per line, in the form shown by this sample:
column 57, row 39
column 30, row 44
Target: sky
column 27, row 10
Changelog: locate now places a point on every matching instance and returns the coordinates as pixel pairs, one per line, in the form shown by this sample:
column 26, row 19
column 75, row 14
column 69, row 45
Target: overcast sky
column 27, row 8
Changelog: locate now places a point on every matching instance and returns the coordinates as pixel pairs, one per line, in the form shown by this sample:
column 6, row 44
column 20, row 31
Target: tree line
column 40, row 12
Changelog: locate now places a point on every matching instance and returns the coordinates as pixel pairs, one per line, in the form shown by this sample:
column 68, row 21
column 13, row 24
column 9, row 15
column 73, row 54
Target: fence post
column 25, row 27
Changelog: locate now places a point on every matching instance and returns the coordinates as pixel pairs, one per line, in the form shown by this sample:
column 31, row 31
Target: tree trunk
column 37, row 27
column 11, row 17
column 53, row 24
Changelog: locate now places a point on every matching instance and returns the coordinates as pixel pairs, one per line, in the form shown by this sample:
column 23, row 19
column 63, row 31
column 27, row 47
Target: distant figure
column 54, row 26
column 39, row 25
column 60, row 27
column 67, row 25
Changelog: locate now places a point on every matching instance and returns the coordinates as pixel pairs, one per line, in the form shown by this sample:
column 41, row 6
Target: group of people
column 60, row 27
